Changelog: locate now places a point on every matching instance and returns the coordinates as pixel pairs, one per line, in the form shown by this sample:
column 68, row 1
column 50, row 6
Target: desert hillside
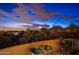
column 25, row 48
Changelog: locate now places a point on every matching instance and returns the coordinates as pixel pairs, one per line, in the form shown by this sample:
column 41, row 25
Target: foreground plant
column 41, row 50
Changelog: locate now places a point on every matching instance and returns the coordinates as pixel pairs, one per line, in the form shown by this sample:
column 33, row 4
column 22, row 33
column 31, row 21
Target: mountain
column 56, row 28
column 72, row 26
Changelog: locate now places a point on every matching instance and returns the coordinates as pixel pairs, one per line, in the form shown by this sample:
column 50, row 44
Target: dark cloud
column 68, row 17
column 35, row 25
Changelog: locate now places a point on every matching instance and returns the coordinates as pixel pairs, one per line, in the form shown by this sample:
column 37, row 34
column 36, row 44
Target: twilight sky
column 17, row 15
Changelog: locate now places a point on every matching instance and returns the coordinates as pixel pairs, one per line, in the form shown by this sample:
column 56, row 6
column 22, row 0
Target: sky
column 16, row 15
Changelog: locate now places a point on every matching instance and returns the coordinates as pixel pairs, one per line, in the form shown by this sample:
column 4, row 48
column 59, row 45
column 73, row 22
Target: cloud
column 39, row 13
column 4, row 13
column 36, row 25
column 5, row 16
column 21, row 13
column 22, row 20
column 1, row 18
column 68, row 17
column 42, row 14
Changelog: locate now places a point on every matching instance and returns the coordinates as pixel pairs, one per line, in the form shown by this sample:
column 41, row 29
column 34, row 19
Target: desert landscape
column 26, row 42
column 39, row 29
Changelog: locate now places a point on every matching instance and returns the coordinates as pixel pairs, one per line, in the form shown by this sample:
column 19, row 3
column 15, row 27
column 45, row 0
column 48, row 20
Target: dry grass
column 25, row 48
